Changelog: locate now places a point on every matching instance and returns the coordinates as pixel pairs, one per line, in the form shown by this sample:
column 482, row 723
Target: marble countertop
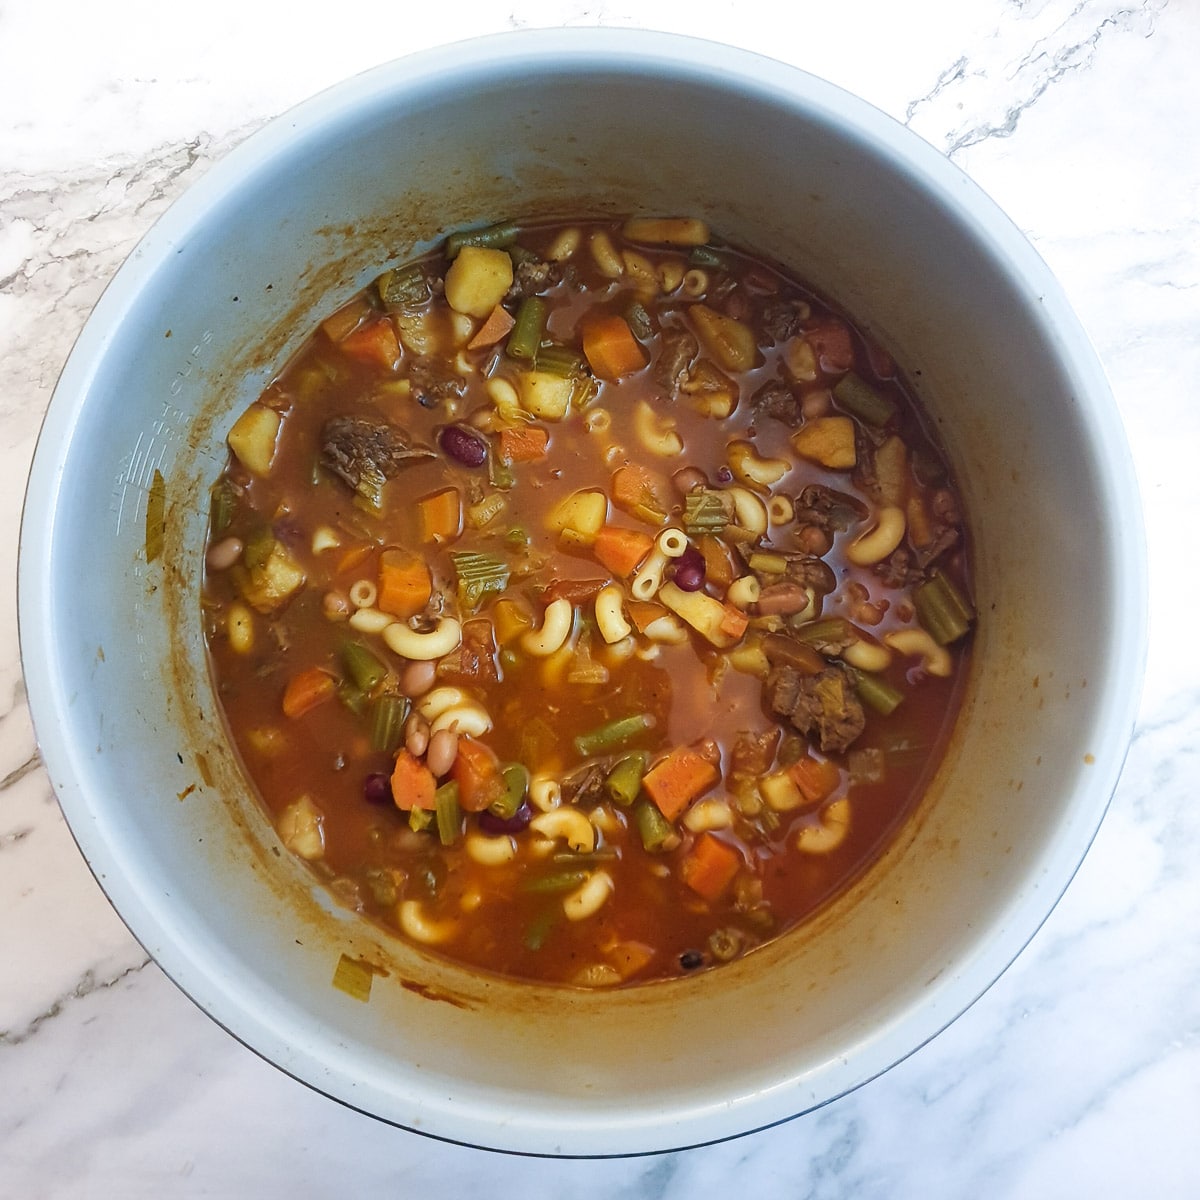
column 1078, row 1073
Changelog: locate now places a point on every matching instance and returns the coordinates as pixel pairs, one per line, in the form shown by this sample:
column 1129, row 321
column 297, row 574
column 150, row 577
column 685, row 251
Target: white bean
column 442, row 751
column 239, row 628
column 223, row 554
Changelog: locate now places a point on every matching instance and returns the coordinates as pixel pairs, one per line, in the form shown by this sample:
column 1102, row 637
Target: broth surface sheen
column 588, row 602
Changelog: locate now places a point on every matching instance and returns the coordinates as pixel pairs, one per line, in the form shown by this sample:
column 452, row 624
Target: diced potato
column 270, row 586
column 800, row 359
column 301, row 828
column 667, row 231
column 478, row 280
column 828, row 441
column 730, row 342
column 545, row 395
column 891, row 470
column 581, row 513
column 704, row 613
column 252, row 438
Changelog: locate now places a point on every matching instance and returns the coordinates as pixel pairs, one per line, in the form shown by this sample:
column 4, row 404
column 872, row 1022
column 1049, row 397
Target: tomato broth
column 587, row 601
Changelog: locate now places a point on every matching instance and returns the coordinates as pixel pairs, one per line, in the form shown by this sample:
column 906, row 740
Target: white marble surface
column 1078, row 1074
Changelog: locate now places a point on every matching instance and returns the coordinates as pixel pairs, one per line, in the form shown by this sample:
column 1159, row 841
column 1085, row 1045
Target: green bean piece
column 707, row 256
column 875, row 692
column 222, row 502
column 542, row 926
column 942, row 609
column 257, row 548
column 860, row 399
column 366, row 671
column 614, row 735
column 555, row 881
column 420, row 819
column 831, row 631
column 491, row 237
column 655, row 830
column 448, row 813
column 517, row 538
column 500, row 473
column 706, row 511
column 526, row 335
column 355, row 699
column 625, row 779
column 388, row 715
column 516, row 784
column 557, row 359
column 520, row 255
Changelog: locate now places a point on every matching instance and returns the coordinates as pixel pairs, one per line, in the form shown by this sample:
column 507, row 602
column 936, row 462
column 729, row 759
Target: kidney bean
column 812, row 539
column 688, row 478
column 463, row 445
column 689, row 570
column 223, row 554
column 782, row 599
column 418, row 677
column 443, row 750
column 335, row 606
column 377, row 788
column 490, row 823
column 416, row 735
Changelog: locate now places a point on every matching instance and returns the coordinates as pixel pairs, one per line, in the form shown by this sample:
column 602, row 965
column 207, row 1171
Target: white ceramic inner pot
column 292, row 223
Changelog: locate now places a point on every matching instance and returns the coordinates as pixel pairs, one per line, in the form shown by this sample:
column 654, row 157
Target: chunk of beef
column 822, row 706
column 365, row 453
column 679, row 350
column 534, row 276
column 753, row 753
column 431, row 384
column 474, row 661
column 828, row 509
column 781, row 319
column 585, row 785
column 776, row 400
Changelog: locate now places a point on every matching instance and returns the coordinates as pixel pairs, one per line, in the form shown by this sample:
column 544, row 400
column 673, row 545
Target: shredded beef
column 781, row 319
column 679, row 349
column 753, row 753
column 776, row 400
column 433, row 384
column 533, row 277
column 828, row 509
column 357, row 449
column 823, row 706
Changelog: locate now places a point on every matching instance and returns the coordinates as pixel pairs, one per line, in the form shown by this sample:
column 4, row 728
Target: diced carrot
column 734, row 623
column 306, row 690
column 441, row 515
column 523, row 443
column 638, row 490
column 495, row 329
column 610, row 347
column 830, row 338
column 476, row 770
column 816, row 778
column 405, row 584
column 719, row 568
column 354, row 557
column 710, row 866
column 374, row 343
column 413, row 784
column 620, row 550
column 644, row 613
column 675, row 781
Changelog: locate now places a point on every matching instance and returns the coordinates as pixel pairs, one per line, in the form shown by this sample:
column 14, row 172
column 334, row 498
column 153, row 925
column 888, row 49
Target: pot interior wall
column 230, row 283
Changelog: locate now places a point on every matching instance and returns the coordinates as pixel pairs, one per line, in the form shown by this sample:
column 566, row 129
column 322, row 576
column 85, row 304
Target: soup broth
column 588, row 602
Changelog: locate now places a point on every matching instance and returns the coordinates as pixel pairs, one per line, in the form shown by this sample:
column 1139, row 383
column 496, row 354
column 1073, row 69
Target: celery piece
column 638, row 320
column 403, row 287
column 479, row 575
column 352, row 697
column 222, row 502
column 557, row 359
column 491, row 237
column 526, row 335
column 366, row 671
column 388, row 714
column 875, row 692
column 448, row 813
column 613, row 735
column 369, row 491
column 625, row 779
column 500, row 473
column 256, row 550
column 942, row 609
column 419, row 819
column 861, row 400
column 708, row 256
column 706, row 511
column 353, row 976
